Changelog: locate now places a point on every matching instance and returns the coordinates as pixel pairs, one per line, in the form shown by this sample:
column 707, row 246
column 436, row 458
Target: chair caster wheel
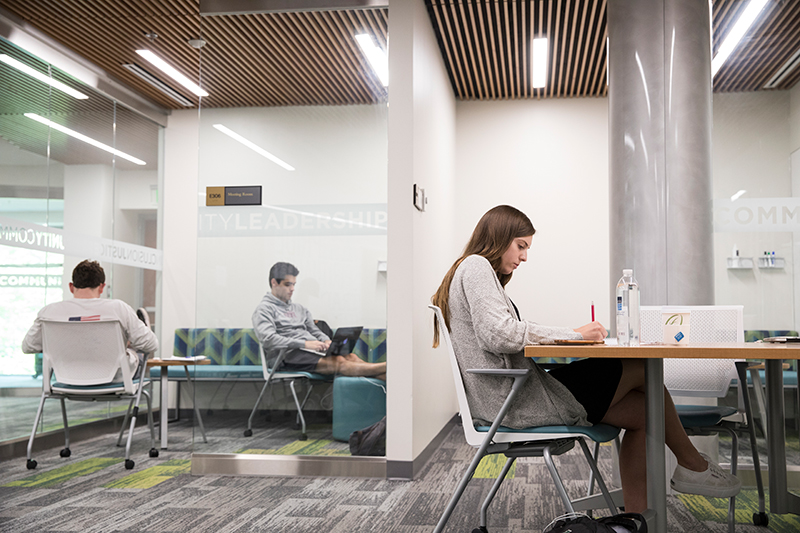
column 129, row 464
column 31, row 464
column 480, row 529
column 153, row 452
column 65, row 452
column 303, row 437
column 760, row 519
column 248, row 432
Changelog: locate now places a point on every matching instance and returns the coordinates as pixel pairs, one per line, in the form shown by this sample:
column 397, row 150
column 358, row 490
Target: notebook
column 343, row 342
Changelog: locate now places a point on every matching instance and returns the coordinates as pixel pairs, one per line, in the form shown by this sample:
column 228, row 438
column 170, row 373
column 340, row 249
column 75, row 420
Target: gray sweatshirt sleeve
column 266, row 332
column 32, row 343
column 496, row 328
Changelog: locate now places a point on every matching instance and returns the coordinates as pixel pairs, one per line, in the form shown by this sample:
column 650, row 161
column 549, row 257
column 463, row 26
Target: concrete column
column 660, row 148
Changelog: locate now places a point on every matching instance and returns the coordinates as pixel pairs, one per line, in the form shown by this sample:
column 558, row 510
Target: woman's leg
column 627, row 411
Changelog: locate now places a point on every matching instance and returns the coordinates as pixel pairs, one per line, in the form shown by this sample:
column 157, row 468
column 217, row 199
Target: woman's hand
column 594, row 331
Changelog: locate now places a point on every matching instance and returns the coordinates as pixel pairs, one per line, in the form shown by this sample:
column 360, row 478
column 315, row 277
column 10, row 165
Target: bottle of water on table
column 627, row 310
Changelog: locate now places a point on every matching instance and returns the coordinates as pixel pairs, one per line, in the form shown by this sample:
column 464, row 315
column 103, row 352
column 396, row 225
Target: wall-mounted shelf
column 740, row 263
column 771, row 262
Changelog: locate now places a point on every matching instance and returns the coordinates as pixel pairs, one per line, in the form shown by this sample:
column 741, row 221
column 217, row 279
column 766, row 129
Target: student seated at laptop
column 280, row 324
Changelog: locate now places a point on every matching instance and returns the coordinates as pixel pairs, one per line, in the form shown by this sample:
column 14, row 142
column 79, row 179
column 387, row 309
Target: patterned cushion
column 239, row 346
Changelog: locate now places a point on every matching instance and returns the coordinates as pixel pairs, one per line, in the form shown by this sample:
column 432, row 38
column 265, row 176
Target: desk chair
column 545, row 441
column 710, row 378
column 271, row 375
column 85, row 357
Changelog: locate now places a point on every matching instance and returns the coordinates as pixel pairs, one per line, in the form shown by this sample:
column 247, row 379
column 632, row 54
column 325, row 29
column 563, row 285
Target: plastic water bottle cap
column 627, row 272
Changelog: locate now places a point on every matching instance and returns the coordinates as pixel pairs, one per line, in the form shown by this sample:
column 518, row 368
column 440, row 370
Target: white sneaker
column 714, row 482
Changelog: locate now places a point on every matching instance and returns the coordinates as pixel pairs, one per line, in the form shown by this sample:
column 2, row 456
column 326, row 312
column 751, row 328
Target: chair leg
column 494, row 489
column 595, row 454
column 303, row 403
column 303, row 435
column 249, row 431
column 461, row 486
column 734, row 469
column 32, row 463
column 596, row 472
column 562, row 492
column 761, row 403
column 124, row 423
column 65, row 452
column 150, row 422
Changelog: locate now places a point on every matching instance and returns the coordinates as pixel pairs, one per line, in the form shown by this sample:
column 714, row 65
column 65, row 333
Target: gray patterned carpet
column 91, row 491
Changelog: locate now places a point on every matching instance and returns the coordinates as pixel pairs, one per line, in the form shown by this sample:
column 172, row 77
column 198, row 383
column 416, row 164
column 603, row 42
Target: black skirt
column 593, row 382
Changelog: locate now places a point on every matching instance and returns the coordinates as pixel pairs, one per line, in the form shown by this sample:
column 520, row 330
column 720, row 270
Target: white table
column 781, row 501
column 164, row 364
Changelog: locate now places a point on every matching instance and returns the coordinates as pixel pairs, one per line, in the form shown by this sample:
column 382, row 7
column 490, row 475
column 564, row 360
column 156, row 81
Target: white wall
column 550, row 160
column 420, row 397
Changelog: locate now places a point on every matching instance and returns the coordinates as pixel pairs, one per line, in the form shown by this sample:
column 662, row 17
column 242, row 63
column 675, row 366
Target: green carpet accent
column 716, row 510
column 150, row 477
column 299, row 447
column 56, row 476
column 491, row 466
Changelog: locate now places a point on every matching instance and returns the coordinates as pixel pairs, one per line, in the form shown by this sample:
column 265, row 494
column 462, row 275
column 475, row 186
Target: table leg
column 656, row 460
column 781, row 501
column 164, row 406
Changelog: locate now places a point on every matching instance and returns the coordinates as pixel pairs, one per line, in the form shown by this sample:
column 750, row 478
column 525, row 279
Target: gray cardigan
column 486, row 334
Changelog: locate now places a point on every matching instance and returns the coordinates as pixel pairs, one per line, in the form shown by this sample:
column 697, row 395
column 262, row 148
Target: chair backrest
column 474, row 438
column 84, row 353
column 709, row 324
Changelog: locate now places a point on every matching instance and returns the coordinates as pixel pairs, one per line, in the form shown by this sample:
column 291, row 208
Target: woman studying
column 487, row 331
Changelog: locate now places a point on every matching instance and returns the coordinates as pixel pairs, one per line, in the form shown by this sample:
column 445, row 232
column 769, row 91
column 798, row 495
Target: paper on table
column 190, row 359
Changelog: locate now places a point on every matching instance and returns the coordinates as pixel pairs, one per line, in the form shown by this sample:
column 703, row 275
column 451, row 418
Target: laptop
column 343, row 342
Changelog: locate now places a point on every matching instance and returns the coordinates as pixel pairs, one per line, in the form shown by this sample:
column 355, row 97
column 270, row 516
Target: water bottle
column 627, row 310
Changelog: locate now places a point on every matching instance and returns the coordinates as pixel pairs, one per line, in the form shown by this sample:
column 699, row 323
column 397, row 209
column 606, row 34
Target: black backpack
column 584, row 524
column 370, row 440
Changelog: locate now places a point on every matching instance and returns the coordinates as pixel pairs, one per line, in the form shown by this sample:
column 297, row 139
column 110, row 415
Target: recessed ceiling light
column 158, row 84
column 539, row 63
column 376, row 57
column 170, row 71
column 84, row 138
column 253, row 146
column 784, row 71
column 22, row 67
column 731, row 41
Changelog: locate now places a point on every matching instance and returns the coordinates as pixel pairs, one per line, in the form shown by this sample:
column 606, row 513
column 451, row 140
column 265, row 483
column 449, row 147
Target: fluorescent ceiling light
column 376, row 57
column 539, row 63
column 84, row 138
column 170, row 71
column 737, row 195
column 158, row 84
column 784, row 71
column 731, row 41
column 22, row 67
column 233, row 135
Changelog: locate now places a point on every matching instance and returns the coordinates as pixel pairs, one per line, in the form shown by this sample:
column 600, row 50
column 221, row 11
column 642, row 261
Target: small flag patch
column 679, row 336
column 93, row 318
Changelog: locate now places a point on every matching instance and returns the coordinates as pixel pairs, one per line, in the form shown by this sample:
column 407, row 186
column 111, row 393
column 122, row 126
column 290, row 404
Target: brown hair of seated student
column 492, row 236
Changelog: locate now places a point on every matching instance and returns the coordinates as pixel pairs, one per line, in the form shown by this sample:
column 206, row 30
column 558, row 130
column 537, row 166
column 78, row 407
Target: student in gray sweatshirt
column 487, row 332
column 279, row 323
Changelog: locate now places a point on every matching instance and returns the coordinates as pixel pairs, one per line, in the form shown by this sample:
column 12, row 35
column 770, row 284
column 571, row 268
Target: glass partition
column 756, row 184
column 65, row 196
column 305, row 185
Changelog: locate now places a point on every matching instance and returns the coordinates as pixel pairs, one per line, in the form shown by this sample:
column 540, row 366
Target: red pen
column 593, row 311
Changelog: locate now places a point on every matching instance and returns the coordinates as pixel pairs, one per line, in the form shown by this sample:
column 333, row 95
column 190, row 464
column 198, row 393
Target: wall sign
column 757, row 214
column 240, row 195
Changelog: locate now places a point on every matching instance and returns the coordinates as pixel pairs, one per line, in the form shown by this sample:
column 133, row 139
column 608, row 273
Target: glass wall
column 314, row 179
column 79, row 179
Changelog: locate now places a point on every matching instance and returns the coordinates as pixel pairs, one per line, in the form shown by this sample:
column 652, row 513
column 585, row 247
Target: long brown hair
column 495, row 232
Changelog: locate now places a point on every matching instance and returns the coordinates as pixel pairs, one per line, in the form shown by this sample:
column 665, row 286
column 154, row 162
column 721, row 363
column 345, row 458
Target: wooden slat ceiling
column 311, row 58
column 486, row 46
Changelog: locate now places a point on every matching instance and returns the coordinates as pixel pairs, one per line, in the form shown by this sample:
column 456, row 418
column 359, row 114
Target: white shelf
column 771, row 262
column 740, row 263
